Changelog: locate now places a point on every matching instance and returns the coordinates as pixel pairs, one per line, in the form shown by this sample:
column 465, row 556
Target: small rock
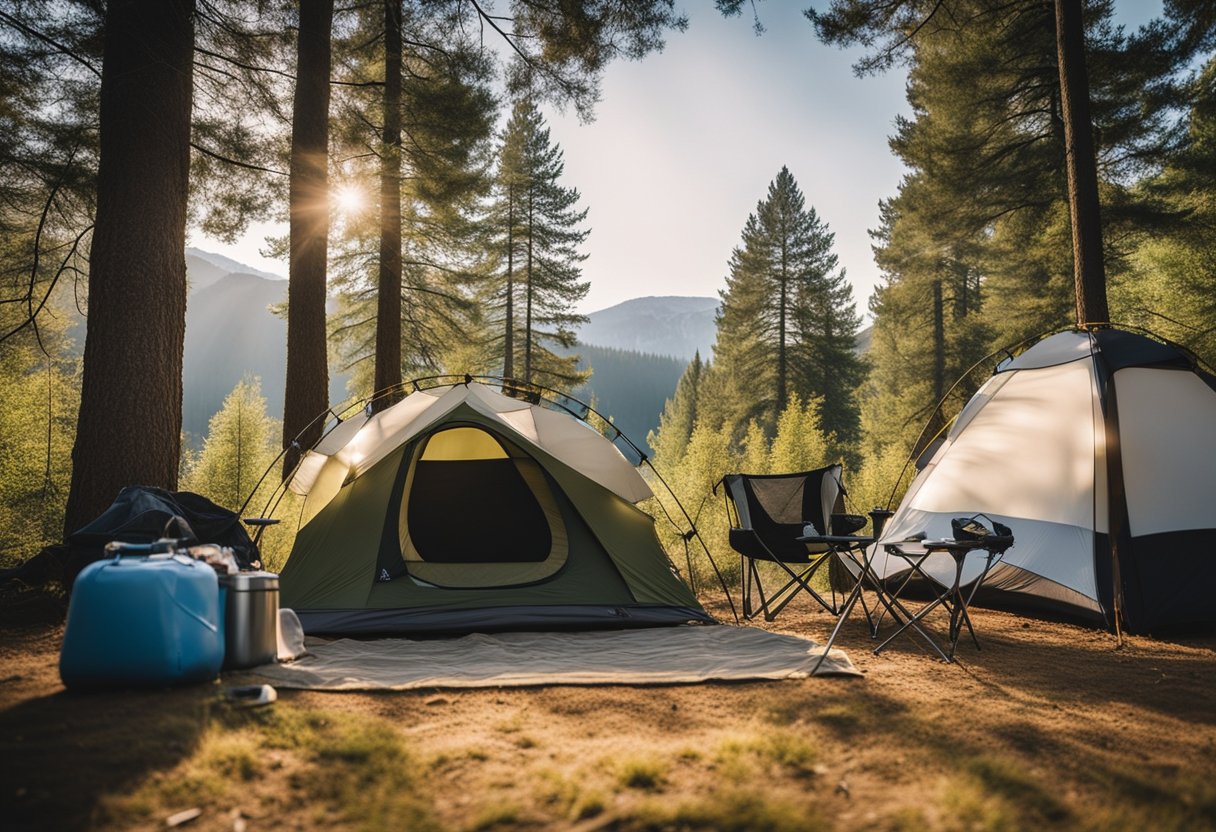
column 437, row 700
column 674, row 706
column 819, row 770
column 842, row 788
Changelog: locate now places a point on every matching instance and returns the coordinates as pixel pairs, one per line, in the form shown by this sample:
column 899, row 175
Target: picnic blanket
column 658, row 655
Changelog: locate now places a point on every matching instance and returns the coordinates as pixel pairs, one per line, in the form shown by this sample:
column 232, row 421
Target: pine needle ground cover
column 1048, row 727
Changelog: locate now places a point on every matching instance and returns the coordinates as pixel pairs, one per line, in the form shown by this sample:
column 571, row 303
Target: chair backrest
column 777, row 506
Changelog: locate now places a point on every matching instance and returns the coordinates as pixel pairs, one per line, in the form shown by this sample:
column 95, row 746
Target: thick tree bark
column 1089, row 270
column 388, row 306
column 129, row 428
column 307, row 390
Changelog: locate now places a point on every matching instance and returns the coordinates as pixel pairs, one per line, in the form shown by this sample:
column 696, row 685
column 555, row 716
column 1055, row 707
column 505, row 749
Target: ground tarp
column 658, row 655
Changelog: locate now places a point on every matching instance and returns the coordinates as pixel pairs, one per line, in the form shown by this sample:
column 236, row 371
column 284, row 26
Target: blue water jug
column 143, row 617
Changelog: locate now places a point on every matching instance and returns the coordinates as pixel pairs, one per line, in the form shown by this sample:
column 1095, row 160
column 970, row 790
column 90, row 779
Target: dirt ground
column 1048, row 726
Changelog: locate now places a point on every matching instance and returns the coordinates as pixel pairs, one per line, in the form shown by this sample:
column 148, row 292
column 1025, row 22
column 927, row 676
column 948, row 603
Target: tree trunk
column 782, row 384
column 508, row 360
column 528, row 310
column 129, row 428
column 939, row 343
column 388, row 306
column 1089, row 271
column 306, row 394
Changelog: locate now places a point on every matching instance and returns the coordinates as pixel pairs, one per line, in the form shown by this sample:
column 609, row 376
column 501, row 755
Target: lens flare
column 349, row 199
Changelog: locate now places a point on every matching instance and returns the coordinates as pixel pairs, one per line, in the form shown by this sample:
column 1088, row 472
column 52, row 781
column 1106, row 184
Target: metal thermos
column 251, row 618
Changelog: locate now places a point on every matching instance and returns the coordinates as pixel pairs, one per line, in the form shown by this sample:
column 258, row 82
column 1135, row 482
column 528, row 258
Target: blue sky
column 686, row 141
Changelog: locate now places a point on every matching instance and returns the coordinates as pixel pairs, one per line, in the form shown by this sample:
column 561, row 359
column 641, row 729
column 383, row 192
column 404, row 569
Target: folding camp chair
column 768, row 513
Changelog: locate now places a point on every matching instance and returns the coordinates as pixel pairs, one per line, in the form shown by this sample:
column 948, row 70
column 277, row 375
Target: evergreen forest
column 1059, row 170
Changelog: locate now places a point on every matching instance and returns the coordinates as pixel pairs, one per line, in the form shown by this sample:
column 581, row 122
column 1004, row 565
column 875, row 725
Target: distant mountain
column 865, row 337
column 231, row 332
column 226, row 265
column 638, row 349
column 201, row 273
column 675, row 326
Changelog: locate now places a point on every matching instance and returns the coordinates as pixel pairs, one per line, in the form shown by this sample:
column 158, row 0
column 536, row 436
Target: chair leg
column 754, row 583
column 766, row 601
column 807, row 574
column 777, row 601
column 746, row 567
column 865, row 608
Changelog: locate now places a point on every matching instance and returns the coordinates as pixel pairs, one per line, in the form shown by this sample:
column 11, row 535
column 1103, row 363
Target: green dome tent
column 461, row 509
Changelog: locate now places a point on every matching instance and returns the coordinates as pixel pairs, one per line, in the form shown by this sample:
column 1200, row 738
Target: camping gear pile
column 166, row 611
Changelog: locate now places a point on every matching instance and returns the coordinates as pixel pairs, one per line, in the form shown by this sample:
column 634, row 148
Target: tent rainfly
column 460, row 509
column 1098, row 449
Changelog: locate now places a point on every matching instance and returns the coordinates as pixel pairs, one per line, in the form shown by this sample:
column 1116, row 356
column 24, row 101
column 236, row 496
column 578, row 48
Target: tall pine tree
column 402, row 272
column 988, row 133
column 538, row 238
column 976, row 246
column 788, row 324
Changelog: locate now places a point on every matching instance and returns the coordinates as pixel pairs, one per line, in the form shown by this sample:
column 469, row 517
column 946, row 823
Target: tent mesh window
column 479, row 513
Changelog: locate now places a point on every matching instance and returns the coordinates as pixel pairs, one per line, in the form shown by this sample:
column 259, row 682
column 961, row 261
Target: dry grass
column 1049, row 727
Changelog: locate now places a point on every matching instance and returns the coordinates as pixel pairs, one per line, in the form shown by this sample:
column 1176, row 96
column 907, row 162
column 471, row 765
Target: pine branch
column 525, row 57
column 245, row 66
column 239, row 164
column 63, row 50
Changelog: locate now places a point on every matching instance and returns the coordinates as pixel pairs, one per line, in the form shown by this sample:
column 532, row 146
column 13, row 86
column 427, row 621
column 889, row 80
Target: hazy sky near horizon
column 685, row 143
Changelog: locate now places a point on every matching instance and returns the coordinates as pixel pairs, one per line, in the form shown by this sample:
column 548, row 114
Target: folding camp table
column 953, row 597
column 859, row 553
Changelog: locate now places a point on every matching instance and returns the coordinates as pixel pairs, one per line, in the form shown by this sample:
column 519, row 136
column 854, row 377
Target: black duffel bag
column 141, row 513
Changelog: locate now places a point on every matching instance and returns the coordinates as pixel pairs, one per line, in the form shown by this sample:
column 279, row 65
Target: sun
column 349, row 199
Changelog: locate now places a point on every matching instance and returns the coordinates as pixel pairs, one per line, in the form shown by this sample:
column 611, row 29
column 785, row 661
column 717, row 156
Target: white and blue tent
column 1098, row 449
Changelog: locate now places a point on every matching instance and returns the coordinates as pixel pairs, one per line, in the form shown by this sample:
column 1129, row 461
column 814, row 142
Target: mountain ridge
column 672, row 325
